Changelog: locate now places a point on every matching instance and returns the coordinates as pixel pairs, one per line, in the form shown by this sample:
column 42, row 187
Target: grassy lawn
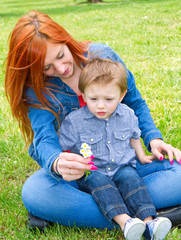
column 146, row 34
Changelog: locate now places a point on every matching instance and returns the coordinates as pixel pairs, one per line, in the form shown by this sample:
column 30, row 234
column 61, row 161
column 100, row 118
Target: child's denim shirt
column 45, row 147
column 109, row 139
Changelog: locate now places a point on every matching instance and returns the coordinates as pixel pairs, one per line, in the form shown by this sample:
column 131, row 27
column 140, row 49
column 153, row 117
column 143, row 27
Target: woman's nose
column 59, row 67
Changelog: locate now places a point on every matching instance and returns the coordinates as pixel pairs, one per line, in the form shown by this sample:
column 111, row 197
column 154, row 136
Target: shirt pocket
column 122, row 140
column 95, row 142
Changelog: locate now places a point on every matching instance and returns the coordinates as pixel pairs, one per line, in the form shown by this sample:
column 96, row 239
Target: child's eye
column 93, row 99
column 109, row 99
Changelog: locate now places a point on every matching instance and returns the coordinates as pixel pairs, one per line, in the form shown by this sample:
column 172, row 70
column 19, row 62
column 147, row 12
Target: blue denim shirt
column 109, row 139
column 45, row 147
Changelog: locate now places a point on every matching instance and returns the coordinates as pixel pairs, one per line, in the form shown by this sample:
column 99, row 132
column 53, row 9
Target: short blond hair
column 103, row 71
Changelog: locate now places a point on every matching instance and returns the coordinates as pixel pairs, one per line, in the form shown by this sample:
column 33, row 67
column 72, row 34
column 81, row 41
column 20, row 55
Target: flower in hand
column 86, row 153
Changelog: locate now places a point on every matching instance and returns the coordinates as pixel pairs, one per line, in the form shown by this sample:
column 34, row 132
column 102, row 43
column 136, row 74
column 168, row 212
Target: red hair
column 25, row 63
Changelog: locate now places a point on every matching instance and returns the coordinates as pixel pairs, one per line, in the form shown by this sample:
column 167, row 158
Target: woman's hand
column 72, row 166
column 160, row 149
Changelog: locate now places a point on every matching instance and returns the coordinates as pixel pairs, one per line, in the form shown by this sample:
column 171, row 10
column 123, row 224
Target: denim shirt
column 45, row 147
column 109, row 139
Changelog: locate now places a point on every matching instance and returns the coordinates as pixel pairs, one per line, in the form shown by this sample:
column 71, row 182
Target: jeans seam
column 103, row 188
column 103, row 209
column 113, row 207
column 134, row 191
column 148, row 207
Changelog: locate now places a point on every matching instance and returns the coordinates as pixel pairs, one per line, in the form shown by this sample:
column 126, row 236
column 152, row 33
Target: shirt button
column 108, row 141
column 107, row 124
column 112, row 160
column 109, row 168
column 123, row 136
column 92, row 140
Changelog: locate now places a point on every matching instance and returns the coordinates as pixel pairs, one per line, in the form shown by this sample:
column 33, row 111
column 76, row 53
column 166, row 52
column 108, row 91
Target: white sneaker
column 157, row 229
column 134, row 229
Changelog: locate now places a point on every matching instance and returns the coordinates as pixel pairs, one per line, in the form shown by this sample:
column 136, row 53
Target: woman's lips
column 66, row 71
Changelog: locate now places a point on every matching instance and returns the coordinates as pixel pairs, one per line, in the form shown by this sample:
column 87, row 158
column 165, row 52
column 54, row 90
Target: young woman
column 41, row 82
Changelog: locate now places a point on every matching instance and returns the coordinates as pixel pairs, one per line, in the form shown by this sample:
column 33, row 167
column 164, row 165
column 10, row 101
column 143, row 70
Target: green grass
column 146, row 34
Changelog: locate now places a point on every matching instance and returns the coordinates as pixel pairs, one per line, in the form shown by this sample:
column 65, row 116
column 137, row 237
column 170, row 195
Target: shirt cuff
column 154, row 134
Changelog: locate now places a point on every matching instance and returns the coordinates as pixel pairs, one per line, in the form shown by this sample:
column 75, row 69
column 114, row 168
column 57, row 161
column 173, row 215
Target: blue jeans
column 62, row 201
column 125, row 193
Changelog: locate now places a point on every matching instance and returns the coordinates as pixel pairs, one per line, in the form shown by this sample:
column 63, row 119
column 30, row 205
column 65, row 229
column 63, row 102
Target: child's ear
column 122, row 96
column 84, row 97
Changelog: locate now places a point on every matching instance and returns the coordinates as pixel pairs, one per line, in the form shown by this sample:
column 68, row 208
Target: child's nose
column 101, row 104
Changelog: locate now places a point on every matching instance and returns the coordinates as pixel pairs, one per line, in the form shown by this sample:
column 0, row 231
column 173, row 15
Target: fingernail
column 92, row 157
column 93, row 168
column 171, row 162
column 161, row 158
column 91, row 163
column 180, row 161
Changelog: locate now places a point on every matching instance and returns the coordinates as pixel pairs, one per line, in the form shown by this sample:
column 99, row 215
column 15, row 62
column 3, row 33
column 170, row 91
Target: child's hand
column 147, row 159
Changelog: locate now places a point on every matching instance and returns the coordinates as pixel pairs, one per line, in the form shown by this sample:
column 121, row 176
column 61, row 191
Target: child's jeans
column 125, row 193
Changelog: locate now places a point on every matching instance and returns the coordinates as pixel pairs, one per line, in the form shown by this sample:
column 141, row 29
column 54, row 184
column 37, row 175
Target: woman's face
column 59, row 61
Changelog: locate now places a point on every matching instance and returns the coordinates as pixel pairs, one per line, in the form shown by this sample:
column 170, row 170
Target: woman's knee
column 32, row 187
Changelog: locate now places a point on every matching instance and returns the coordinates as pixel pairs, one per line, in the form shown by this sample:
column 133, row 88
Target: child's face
column 102, row 100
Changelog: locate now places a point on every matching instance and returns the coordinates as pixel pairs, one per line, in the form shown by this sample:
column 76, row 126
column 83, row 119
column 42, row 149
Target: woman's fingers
column 161, row 149
column 177, row 154
column 71, row 171
column 72, row 166
column 74, row 161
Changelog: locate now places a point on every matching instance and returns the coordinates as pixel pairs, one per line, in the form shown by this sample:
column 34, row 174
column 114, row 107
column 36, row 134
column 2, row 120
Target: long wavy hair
column 25, row 63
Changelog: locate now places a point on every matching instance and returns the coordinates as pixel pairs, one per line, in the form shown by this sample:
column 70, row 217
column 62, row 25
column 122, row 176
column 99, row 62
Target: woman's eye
column 46, row 68
column 61, row 56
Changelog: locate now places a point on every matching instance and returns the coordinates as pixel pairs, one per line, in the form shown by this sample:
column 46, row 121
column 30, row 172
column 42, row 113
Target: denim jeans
column 125, row 193
column 63, row 202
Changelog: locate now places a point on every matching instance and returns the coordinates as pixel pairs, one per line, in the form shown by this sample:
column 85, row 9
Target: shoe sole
column 135, row 232
column 163, row 227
